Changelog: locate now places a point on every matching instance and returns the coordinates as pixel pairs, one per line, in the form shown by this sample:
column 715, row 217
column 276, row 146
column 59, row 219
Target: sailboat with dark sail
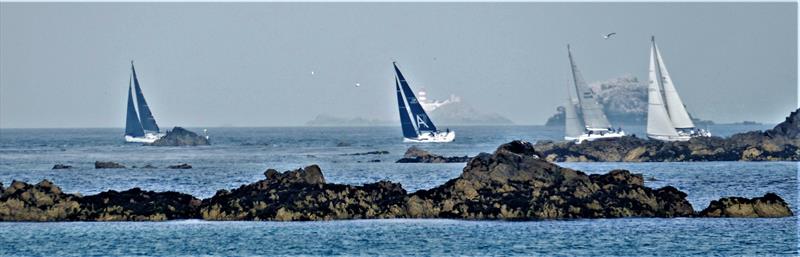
column 667, row 118
column 591, row 123
column 416, row 125
column 140, row 127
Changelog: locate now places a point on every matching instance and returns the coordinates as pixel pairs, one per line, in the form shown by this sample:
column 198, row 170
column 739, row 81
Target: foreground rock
column 778, row 144
column 180, row 137
column 61, row 166
column 513, row 183
column 768, row 206
column 108, row 165
column 416, row 155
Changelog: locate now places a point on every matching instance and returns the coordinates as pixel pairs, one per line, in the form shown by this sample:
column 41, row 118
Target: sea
column 241, row 155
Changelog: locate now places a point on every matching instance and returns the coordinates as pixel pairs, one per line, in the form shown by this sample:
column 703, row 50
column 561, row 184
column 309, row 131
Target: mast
column 146, row 117
column 405, row 121
column 593, row 116
column 675, row 108
column 132, row 125
column 418, row 115
column 658, row 121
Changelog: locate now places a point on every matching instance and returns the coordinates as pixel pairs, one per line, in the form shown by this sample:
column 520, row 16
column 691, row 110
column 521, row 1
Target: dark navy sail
column 405, row 121
column 132, row 125
column 418, row 115
column 148, row 122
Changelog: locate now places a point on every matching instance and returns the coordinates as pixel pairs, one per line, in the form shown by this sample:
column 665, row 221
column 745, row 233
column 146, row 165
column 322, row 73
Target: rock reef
column 778, row 144
column 108, row 165
column 513, row 183
column 180, row 137
column 416, row 155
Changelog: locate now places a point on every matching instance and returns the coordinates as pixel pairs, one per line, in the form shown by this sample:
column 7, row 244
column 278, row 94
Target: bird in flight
column 358, row 84
column 609, row 35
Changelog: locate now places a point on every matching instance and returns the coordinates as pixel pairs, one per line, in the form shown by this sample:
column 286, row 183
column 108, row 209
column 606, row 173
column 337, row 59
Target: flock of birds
column 606, row 36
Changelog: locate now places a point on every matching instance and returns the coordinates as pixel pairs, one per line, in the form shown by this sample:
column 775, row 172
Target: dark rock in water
column 369, row 153
column 148, row 166
column 779, row 144
column 180, row 166
column 138, row 205
column 768, row 206
column 417, row 155
column 343, row 144
column 61, row 166
column 513, row 183
column 376, row 160
column 180, row 137
column 108, row 165
column 303, row 195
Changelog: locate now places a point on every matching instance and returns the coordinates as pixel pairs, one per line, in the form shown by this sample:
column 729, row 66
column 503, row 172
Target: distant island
column 450, row 112
column 624, row 101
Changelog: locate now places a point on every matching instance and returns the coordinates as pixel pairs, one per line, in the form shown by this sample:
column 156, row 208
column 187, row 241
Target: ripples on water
column 240, row 156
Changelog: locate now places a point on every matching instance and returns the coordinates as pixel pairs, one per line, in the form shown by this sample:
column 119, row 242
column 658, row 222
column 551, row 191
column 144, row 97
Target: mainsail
column 132, row 125
column 573, row 126
column 146, row 117
column 658, row 121
column 418, row 116
column 405, row 121
column 677, row 111
column 593, row 115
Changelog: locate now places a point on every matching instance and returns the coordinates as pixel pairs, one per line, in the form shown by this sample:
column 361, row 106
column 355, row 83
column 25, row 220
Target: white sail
column 593, row 116
column 677, row 111
column 658, row 121
column 573, row 126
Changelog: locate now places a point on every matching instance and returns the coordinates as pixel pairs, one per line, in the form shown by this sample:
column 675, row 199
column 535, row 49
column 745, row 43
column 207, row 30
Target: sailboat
column 591, row 123
column 416, row 125
column 140, row 127
column 667, row 118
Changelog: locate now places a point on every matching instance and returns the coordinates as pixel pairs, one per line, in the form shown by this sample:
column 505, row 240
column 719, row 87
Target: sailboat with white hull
column 591, row 123
column 667, row 118
column 416, row 125
column 140, row 127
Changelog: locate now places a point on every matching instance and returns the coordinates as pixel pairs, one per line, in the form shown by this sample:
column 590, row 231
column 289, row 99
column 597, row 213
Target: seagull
column 312, row 73
column 358, row 84
column 609, row 35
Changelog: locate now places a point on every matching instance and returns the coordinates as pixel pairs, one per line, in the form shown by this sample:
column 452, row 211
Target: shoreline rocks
column 108, row 165
column 415, row 154
column 513, row 183
column 778, row 144
column 61, row 166
column 180, row 137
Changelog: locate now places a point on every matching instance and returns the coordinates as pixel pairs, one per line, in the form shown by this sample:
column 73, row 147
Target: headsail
column 146, row 117
column 132, row 125
column 418, row 116
column 405, row 121
column 593, row 115
column 677, row 111
column 658, row 122
column 573, row 126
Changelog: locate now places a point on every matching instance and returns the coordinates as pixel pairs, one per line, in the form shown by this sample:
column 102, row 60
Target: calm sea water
column 240, row 155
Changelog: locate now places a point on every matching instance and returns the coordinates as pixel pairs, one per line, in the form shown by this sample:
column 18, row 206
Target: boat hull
column 147, row 138
column 596, row 136
column 437, row 137
column 682, row 136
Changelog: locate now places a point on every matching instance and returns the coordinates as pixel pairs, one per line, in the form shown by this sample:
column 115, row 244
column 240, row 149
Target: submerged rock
column 369, row 153
column 61, row 166
column 415, row 154
column 180, row 166
column 180, row 137
column 768, row 206
column 108, row 165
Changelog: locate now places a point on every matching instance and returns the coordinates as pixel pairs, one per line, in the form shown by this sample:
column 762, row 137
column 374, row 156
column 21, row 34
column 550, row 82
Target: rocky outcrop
column 778, row 144
column 180, row 166
column 108, row 165
column 180, row 137
column 303, row 195
column 416, row 155
column 513, row 183
column 768, row 206
column 61, row 166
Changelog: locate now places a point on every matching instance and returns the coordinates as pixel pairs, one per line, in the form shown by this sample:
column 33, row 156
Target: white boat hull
column 436, row 137
column 147, row 138
column 596, row 135
column 682, row 135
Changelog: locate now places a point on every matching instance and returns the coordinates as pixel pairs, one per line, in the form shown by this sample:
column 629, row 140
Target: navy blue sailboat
column 140, row 127
column 417, row 125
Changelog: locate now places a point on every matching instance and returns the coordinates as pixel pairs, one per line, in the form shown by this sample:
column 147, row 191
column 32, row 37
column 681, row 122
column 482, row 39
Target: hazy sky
column 249, row 64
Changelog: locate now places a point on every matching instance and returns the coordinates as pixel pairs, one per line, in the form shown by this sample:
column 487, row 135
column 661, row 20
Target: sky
column 250, row 64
